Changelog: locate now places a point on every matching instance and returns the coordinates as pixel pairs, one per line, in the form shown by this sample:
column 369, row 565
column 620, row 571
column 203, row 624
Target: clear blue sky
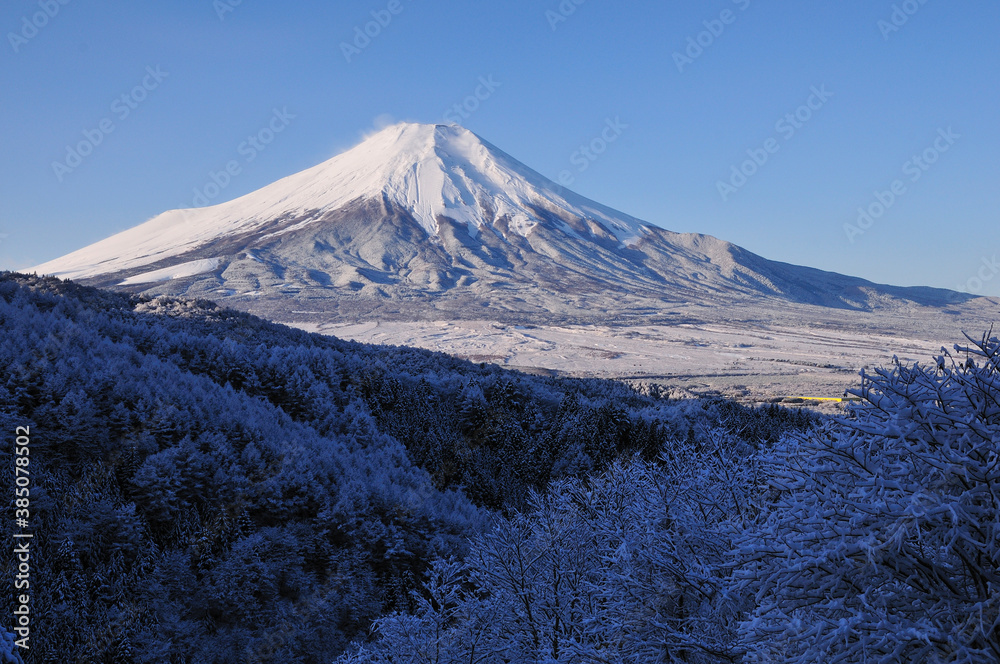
column 560, row 81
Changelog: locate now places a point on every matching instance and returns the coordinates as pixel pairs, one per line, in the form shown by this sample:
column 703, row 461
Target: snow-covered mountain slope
column 432, row 171
column 431, row 221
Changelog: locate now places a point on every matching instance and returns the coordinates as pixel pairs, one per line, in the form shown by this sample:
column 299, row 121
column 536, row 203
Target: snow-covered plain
column 752, row 365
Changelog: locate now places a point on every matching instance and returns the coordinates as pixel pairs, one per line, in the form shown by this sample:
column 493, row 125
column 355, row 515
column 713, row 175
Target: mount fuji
column 427, row 222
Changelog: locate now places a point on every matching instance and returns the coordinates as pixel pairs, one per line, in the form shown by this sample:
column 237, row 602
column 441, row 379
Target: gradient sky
column 229, row 64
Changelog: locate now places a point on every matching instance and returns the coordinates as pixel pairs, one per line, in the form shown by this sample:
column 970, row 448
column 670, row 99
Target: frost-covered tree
column 884, row 540
column 627, row 566
column 8, row 650
column 227, row 489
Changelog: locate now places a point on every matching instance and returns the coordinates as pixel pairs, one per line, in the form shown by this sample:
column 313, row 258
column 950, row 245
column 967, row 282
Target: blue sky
column 199, row 77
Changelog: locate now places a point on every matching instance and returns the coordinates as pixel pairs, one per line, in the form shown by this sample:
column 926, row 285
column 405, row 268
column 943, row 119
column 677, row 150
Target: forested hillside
column 209, row 487
column 871, row 538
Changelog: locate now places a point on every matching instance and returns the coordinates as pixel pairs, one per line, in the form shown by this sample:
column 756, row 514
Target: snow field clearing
column 754, row 365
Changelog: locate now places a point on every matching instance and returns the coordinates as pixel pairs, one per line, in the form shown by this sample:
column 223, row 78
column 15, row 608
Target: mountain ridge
column 431, row 220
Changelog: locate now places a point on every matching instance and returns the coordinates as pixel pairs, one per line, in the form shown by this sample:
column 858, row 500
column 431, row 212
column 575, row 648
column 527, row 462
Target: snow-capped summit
column 433, row 221
column 432, row 171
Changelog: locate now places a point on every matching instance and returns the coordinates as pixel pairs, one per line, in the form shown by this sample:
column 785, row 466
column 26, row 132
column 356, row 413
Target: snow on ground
column 752, row 365
column 188, row 269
